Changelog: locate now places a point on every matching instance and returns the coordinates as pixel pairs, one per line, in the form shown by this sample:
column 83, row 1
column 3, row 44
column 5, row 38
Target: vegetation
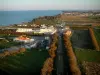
column 12, row 52
column 10, row 32
column 48, row 64
column 95, row 43
column 87, row 55
column 48, row 20
column 81, row 39
column 45, row 21
column 47, row 67
column 41, row 20
column 7, row 44
column 27, row 63
column 94, row 17
column 88, row 61
column 72, row 58
column 91, row 68
column 38, row 34
column 97, row 35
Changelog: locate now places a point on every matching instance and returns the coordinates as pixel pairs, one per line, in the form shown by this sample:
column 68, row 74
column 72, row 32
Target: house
column 24, row 39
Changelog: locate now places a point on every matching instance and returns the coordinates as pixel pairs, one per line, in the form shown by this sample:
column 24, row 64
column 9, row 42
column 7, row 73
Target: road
column 60, row 58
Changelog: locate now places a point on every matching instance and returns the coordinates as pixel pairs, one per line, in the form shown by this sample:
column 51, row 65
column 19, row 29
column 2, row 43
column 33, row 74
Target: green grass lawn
column 88, row 55
column 27, row 63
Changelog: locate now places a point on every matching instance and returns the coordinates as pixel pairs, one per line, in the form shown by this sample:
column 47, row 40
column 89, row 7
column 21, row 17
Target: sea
column 17, row 17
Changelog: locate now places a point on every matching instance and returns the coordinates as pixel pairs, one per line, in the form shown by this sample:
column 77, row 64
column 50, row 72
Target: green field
column 88, row 55
column 28, row 63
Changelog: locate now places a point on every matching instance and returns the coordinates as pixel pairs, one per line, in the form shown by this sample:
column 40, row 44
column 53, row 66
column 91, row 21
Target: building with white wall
column 46, row 30
column 24, row 30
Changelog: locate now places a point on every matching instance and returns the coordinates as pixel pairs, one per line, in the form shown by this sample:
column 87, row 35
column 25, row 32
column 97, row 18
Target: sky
column 49, row 4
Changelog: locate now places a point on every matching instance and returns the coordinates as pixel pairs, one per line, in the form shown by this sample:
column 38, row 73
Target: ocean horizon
column 17, row 17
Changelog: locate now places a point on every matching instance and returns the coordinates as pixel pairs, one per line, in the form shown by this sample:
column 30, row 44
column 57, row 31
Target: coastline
column 18, row 17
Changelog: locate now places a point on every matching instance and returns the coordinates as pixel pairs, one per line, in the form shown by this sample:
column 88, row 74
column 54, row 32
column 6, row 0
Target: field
column 80, row 19
column 87, row 55
column 71, row 18
column 28, row 63
column 88, row 61
column 81, row 39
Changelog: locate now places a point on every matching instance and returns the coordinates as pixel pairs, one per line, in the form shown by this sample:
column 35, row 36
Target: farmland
column 81, row 39
column 84, row 49
column 87, row 55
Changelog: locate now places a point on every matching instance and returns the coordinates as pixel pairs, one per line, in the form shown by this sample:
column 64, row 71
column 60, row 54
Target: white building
column 22, row 25
column 24, row 30
column 47, row 30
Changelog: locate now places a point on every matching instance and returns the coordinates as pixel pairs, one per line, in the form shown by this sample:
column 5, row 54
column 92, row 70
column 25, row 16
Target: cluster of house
column 81, row 13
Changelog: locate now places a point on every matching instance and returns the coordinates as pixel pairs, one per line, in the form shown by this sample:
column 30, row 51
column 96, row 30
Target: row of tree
column 47, row 67
column 94, row 41
column 72, row 58
column 48, row 64
column 12, row 33
column 12, row 52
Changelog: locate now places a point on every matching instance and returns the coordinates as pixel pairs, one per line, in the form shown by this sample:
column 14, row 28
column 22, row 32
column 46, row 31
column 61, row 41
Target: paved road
column 59, row 59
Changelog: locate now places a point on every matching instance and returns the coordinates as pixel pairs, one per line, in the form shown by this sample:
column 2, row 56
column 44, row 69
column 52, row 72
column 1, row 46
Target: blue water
column 17, row 17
